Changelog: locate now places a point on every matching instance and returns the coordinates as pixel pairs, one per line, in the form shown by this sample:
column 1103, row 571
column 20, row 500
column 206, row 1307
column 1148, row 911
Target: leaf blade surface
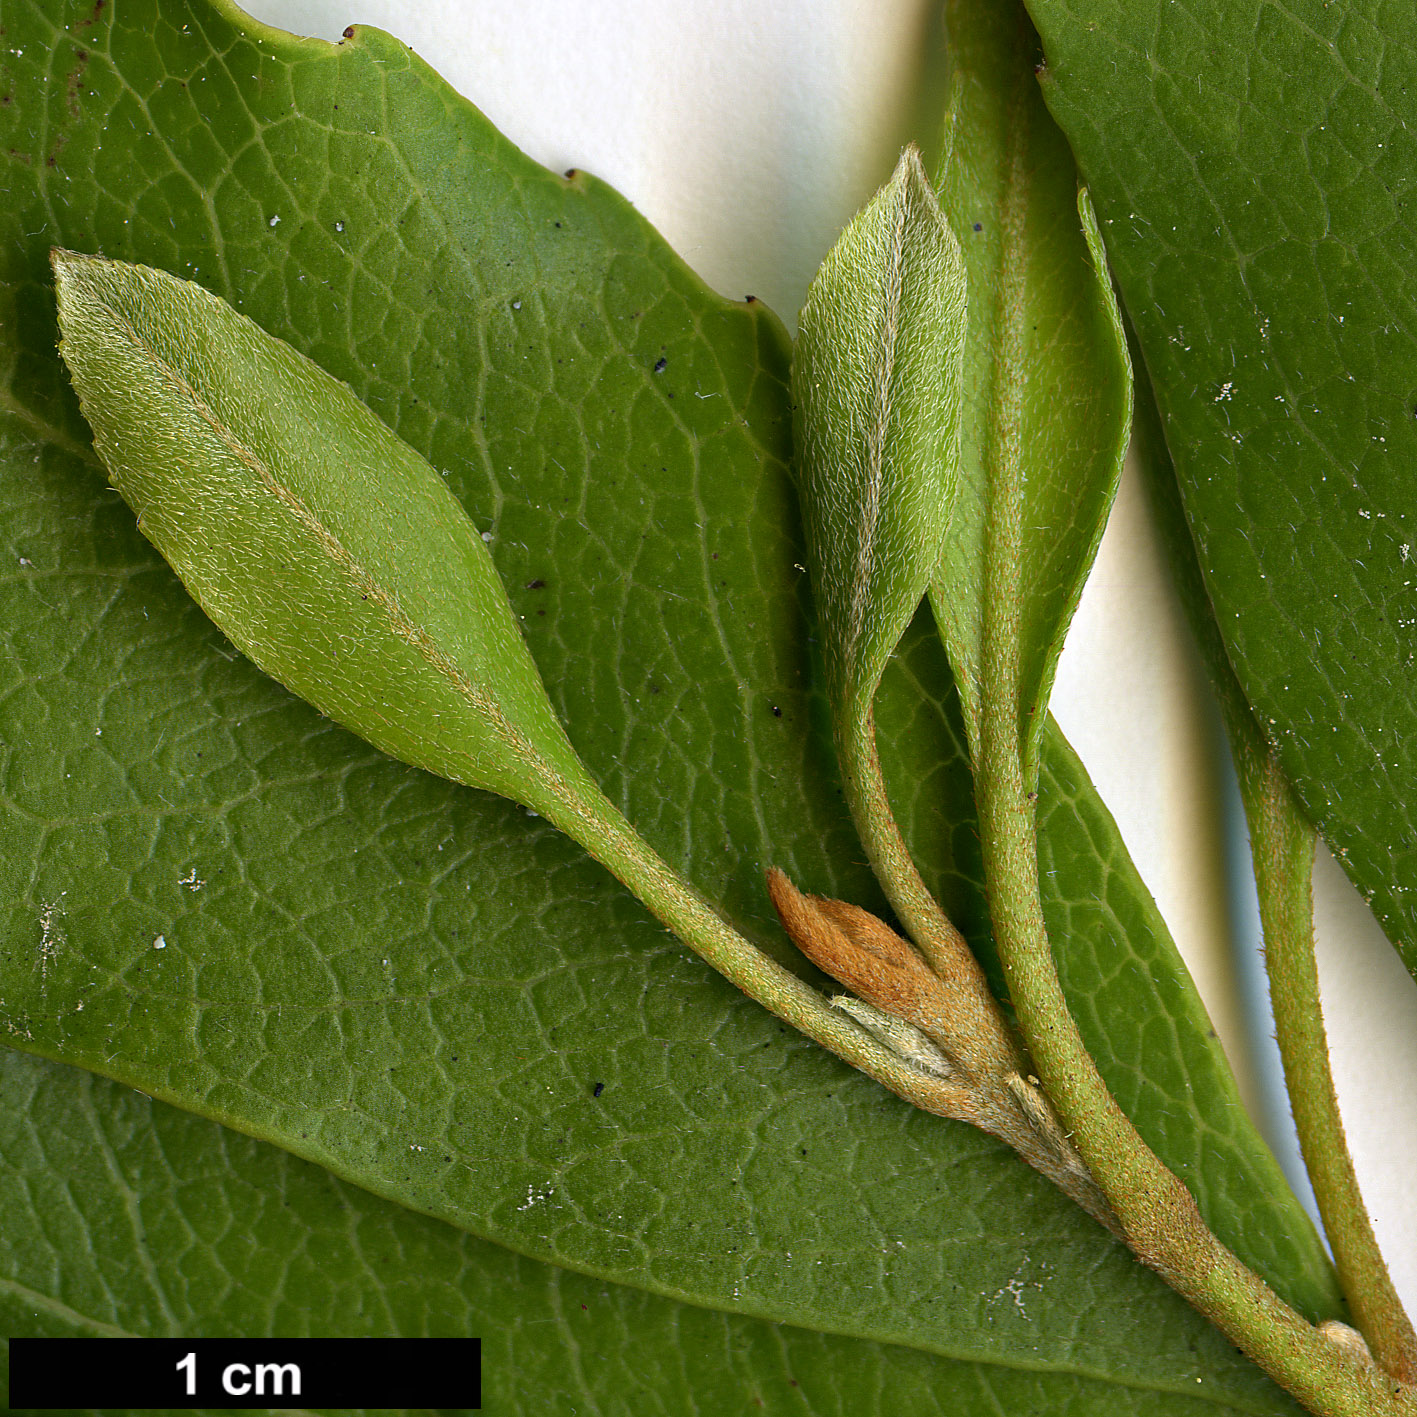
column 232, row 1237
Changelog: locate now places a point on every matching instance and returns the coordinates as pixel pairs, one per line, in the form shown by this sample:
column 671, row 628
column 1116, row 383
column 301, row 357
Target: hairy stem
column 588, row 817
column 1283, row 845
column 911, row 899
column 1005, row 1098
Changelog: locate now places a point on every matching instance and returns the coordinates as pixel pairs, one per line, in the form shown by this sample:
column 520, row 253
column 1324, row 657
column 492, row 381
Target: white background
column 749, row 133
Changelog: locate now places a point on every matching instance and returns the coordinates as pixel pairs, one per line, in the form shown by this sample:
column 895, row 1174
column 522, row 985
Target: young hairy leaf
column 319, row 541
column 215, row 894
column 1252, row 166
column 875, row 379
column 1047, row 386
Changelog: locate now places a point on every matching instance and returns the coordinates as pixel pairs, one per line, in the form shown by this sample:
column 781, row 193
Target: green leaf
column 1047, row 385
column 875, row 380
column 319, row 541
column 358, row 959
column 1250, row 165
column 164, row 1224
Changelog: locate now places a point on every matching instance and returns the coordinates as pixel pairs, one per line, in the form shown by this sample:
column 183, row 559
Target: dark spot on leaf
column 599, row 1088
column 661, row 364
column 979, row 226
column 537, row 584
column 750, row 299
column 570, row 174
column 776, row 712
column 349, row 32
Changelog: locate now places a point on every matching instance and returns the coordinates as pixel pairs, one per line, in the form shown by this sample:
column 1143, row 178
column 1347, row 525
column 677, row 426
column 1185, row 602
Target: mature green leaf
column 358, row 960
column 875, row 380
column 316, row 538
column 1253, row 166
column 1047, row 388
column 123, row 1215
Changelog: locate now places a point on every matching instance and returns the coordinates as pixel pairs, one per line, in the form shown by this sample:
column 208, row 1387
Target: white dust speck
column 275, row 221
column 1405, row 550
column 516, row 305
column 533, row 1196
column 160, row 943
column 487, row 536
column 191, row 881
column 25, row 561
column 51, row 934
column 1225, row 391
column 339, row 226
column 1015, row 1288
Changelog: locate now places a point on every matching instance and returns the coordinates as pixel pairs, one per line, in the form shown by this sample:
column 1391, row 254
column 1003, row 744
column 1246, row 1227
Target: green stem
column 1158, row 1215
column 588, row 817
column 973, row 1031
column 1283, row 842
column 933, row 931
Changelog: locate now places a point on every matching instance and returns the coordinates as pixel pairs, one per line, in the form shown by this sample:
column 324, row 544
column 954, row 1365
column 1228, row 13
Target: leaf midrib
column 877, row 435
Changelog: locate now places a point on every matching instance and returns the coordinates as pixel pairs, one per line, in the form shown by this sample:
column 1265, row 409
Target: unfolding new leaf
column 875, row 379
column 1047, row 387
